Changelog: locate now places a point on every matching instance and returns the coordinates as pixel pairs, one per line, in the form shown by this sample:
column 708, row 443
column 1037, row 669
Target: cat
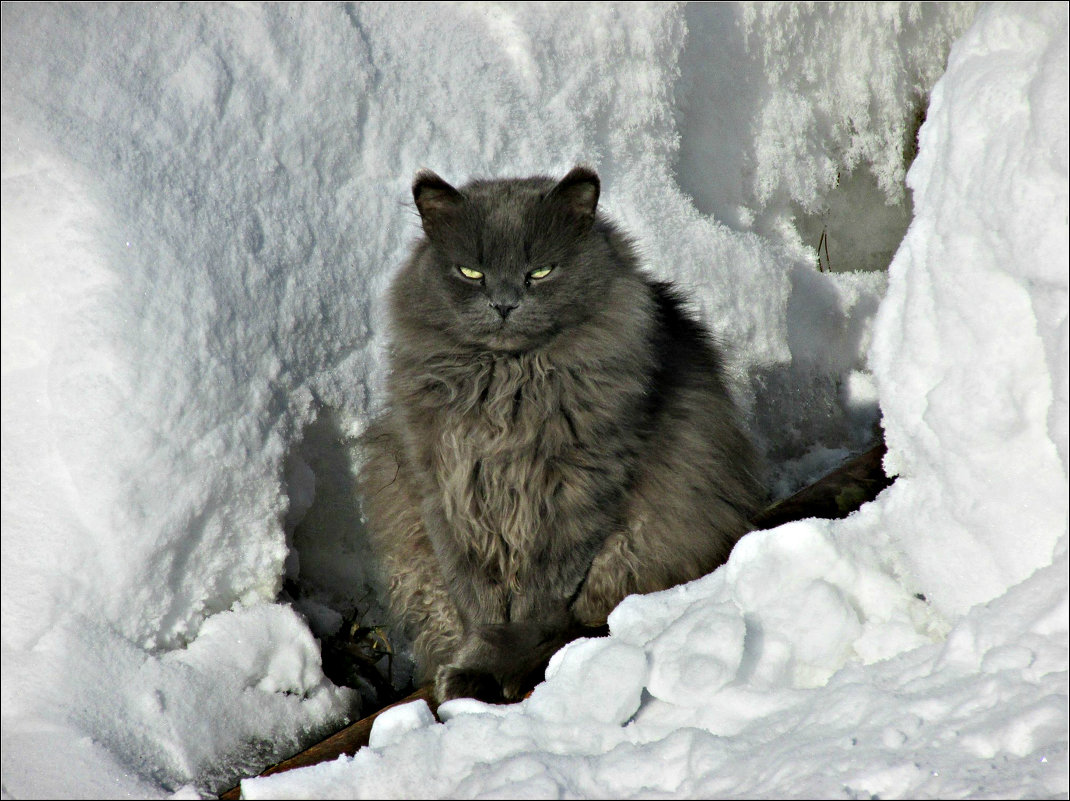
column 557, row 433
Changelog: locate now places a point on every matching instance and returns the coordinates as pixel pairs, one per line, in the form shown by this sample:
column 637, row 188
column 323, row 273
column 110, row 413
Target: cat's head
column 509, row 264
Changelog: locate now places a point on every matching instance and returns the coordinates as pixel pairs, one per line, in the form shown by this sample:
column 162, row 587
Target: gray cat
column 557, row 433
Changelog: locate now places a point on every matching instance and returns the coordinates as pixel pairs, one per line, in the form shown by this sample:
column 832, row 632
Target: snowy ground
column 202, row 206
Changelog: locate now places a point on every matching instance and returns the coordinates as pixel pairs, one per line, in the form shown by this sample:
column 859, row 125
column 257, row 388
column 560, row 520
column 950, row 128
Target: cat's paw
column 460, row 681
column 500, row 662
column 516, row 654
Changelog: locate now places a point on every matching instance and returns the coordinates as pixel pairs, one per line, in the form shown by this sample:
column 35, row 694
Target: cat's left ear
column 579, row 192
column 436, row 200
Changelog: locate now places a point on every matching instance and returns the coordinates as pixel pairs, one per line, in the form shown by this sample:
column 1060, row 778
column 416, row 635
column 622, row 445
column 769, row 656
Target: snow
column 394, row 722
column 202, row 206
column 998, row 464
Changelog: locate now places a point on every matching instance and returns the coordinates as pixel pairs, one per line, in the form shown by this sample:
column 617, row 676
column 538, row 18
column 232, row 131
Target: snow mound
column 970, row 343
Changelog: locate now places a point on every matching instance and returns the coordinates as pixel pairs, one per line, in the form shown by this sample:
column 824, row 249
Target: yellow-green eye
column 542, row 272
column 470, row 274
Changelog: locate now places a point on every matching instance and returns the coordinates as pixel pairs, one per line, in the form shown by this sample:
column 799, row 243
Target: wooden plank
column 347, row 741
column 836, row 495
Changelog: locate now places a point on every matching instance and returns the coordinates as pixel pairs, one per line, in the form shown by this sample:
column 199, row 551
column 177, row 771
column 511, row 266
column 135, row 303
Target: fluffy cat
column 557, row 433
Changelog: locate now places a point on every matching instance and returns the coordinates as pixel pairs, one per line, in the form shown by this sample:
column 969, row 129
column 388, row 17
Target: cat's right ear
column 436, row 200
column 579, row 192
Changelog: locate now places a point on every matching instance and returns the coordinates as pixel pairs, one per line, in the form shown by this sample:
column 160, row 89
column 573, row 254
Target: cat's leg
column 500, row 657
column 442, row 593
column 503, row 660
column 638, row 558
column 688, row 507
column 476, row 588
column 417, row 592
column 614, row 574
column 479, row 596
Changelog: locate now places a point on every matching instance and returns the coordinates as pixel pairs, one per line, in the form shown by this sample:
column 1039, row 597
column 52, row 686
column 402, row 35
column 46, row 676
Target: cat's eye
column 470, row 274
column 542, row 272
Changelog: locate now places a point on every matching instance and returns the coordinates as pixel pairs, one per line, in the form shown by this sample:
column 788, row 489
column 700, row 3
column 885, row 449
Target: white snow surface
column 202, row 206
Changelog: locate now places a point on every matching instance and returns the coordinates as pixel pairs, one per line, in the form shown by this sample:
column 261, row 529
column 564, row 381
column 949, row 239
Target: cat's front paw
column 459, row 681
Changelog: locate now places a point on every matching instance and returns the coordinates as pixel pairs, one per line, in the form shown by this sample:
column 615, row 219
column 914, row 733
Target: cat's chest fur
column 511, row 445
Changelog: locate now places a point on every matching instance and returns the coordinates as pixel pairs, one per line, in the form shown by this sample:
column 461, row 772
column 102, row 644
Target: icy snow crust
column 202, row 206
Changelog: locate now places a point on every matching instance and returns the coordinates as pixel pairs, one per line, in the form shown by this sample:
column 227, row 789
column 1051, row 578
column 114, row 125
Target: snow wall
column 203, row 205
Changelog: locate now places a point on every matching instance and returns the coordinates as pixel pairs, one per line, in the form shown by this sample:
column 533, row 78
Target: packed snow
column 202, row 207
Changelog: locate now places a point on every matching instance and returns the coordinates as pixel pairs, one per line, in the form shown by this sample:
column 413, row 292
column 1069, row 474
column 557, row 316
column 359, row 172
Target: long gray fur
column 549, row 445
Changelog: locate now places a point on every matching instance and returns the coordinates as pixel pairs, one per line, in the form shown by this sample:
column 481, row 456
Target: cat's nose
column 503, row 308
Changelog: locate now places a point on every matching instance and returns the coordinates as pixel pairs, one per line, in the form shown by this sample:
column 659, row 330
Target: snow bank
column 970, row 349
column 202, row 206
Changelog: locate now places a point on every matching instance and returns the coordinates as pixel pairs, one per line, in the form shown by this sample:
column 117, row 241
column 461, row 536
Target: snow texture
column 202, row 207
